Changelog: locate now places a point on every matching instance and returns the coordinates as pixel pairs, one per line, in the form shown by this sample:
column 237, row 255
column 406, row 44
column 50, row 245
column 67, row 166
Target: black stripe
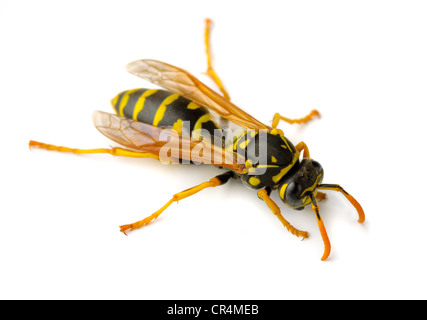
column 130, row 105
column 178, row 110
column 152, row 104
column 116, row 106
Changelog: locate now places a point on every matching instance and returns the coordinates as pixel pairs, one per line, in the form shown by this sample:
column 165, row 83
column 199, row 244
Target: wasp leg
column 265, row 196
column 302, row 146
column 210, row 71
column 214, row 182
column 277, row 117
column 113, row 151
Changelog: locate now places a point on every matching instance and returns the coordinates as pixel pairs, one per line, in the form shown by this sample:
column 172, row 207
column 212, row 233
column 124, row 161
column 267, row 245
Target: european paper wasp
column 144, row 117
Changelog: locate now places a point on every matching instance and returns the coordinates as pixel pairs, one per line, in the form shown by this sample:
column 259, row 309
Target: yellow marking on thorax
column 254, row 181
column 273, row 159
column 124, row 101
column 285, row 170
column 277, row 131
column 192, row 105
column 141, row 101
column 244, row 144
column 162, row 108
column 267, row 166
column 286, row 142
column 237, row 138
column 229, row 147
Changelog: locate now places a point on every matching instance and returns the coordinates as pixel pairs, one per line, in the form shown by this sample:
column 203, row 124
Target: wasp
column 143, row 117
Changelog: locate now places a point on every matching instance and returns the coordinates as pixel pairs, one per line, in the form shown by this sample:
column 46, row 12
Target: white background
column 362, row 64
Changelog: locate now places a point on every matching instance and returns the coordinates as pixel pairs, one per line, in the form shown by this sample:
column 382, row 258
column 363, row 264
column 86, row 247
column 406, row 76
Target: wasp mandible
column 143, row 116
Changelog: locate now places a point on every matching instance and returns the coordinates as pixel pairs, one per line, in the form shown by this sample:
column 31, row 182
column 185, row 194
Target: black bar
column 216, row 309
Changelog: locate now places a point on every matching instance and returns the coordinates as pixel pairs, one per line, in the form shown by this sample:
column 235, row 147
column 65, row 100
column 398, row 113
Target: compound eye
column 317, row 166
column 293, row 192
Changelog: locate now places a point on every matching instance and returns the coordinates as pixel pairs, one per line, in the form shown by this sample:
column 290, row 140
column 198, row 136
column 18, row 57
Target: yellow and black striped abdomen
column 163, row 109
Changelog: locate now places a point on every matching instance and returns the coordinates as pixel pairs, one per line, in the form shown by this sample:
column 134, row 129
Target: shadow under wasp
column 143, row 116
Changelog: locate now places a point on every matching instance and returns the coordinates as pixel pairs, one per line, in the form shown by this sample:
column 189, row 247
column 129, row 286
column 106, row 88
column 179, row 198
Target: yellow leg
column 214, row 182
column 210, row 71
column 302, row 146
column 277, row 117
column 263, row 195
column 113, row 151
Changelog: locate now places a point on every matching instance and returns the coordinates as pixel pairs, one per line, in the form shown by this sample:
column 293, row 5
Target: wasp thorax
column 269, row 158
column 295, row 190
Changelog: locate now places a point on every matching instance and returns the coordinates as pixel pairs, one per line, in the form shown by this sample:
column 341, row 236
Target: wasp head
column 295, row 191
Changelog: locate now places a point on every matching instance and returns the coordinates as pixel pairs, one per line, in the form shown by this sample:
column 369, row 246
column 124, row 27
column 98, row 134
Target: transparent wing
column 180, row 81
column 165, row 143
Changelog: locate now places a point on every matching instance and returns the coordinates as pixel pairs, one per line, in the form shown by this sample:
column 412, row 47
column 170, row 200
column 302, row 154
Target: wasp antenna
column 337, row 187
column 322, row 229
